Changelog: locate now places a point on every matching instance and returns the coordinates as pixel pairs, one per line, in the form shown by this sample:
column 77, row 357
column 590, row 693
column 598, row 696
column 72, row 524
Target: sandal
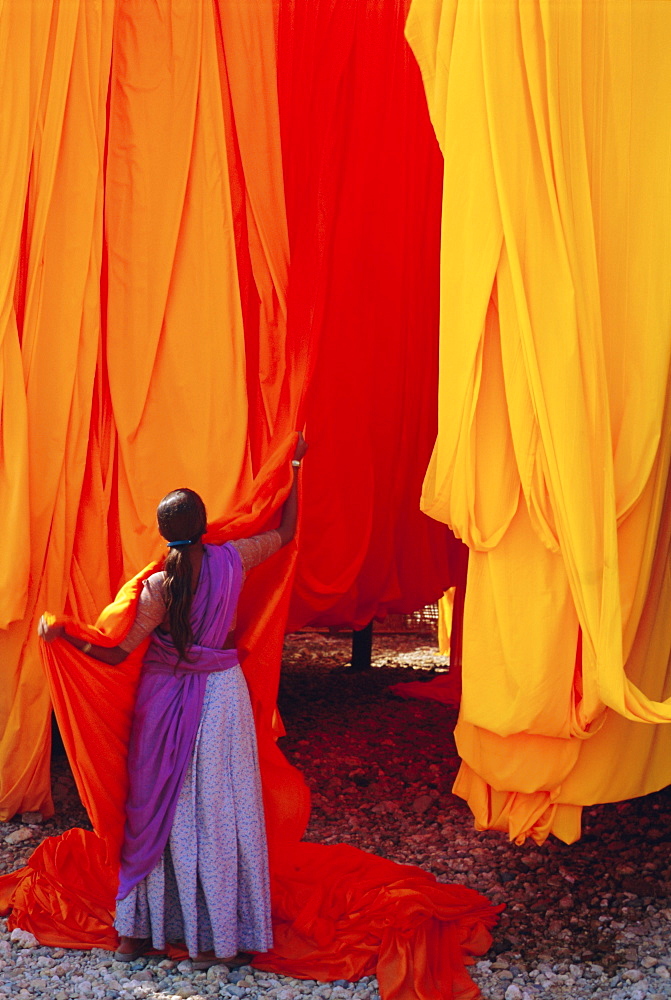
column 233, row 962
column 143, row 946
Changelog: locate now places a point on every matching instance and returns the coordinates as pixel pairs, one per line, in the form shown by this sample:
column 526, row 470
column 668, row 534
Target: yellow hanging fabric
column 552, row 455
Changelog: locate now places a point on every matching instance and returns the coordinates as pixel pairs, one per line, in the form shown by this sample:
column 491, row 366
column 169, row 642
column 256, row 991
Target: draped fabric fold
column 554, row 439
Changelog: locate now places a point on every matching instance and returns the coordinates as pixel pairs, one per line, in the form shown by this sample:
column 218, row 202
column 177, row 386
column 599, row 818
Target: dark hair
column 181, row 516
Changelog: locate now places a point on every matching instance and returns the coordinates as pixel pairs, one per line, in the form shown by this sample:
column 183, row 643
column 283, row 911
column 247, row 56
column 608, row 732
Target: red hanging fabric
column 363, row 181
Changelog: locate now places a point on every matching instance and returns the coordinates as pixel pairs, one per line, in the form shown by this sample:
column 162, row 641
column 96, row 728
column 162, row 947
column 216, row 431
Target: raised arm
column 258, row 548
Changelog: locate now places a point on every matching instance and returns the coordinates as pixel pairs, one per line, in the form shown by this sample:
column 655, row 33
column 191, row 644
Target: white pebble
column 24, row 939
column 217, row 972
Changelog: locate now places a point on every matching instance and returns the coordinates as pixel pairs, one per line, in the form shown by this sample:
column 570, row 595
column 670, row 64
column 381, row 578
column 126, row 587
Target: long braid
column 181, row 518
column 179, row 598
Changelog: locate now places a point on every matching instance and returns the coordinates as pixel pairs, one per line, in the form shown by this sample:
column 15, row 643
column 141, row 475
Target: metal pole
column 457, row 638
column 362, row 648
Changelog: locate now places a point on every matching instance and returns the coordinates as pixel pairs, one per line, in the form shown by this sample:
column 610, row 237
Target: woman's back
column 216, row 586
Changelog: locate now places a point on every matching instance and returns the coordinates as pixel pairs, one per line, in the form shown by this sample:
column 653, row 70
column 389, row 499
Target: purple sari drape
column 167, row 714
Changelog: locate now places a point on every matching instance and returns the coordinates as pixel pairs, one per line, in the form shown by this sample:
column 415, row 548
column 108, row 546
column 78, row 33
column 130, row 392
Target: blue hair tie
column 174, row 545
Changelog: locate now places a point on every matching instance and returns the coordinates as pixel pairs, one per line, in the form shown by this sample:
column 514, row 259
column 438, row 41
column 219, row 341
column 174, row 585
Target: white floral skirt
column 210, row 889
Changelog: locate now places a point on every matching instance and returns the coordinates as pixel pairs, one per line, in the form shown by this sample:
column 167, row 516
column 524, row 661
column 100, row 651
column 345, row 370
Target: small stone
column 504, row 974
column 236, row 991
column 32, row 817
column 184, row 966
column 37, row 984
column 422, row 803
column 24, row 939
column 566, row 902
column 217, row 972
column 575, row 970
column 633, row 975
column 18, row 836
column 662, row 972
column 167, row 963
column 513, row 992
column 648, row 962
column 144, row 975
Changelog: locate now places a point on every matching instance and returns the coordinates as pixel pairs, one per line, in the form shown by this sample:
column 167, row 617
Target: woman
column 194, row 863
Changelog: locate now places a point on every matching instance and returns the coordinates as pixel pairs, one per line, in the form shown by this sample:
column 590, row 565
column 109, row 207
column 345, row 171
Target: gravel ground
column 591, row 920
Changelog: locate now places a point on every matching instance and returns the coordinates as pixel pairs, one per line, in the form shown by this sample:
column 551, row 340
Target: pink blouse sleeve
column 256, row 549
column 150, row 612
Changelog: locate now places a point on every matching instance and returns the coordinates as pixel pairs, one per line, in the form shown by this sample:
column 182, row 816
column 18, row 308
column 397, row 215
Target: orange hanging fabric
column 54, row 66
